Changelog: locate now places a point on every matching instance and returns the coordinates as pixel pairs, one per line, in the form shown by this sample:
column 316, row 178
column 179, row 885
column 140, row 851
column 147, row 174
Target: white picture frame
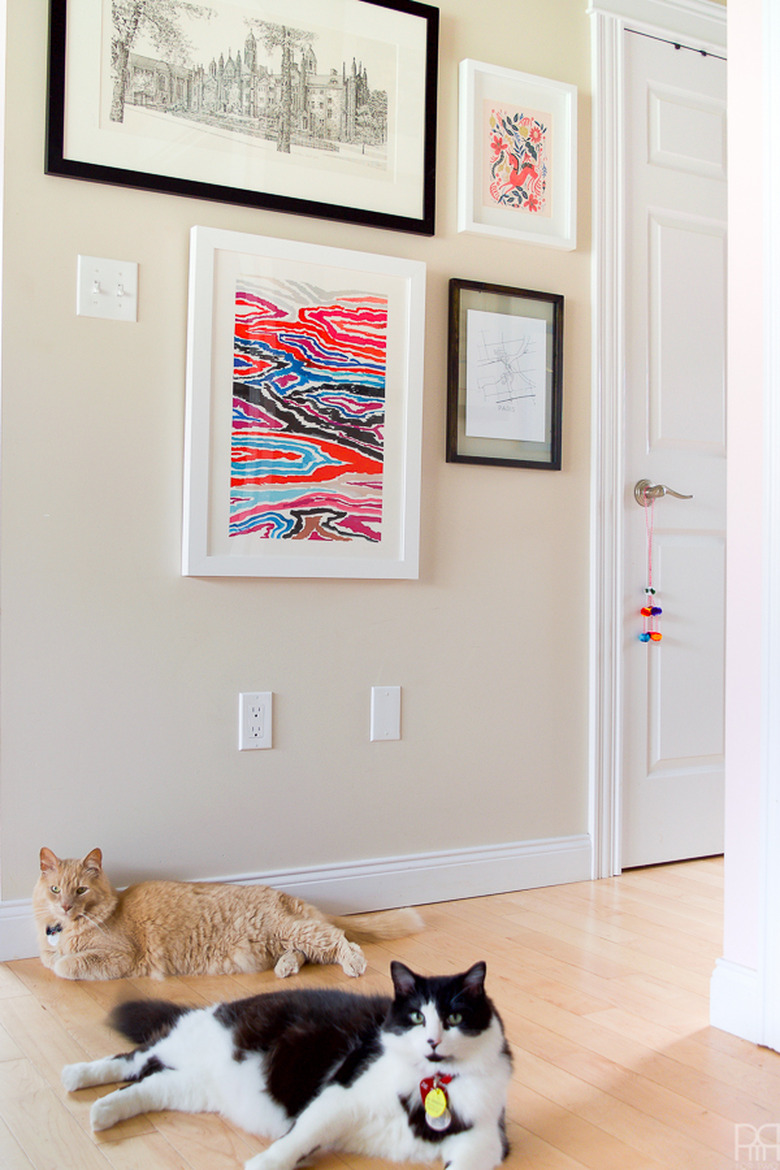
column 304, row 410
column 517, row 156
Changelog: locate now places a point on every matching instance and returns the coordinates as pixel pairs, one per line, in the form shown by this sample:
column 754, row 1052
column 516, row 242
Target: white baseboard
column 359, row 886
column 735, row 1001
column 17, row 931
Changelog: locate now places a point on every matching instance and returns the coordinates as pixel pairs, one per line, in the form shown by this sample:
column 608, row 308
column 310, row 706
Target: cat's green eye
column 455, row 1019
column 81, row 890
column 417, row 1017
column 55, row 889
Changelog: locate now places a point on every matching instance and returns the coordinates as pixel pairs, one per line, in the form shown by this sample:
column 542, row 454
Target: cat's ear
column 404, row 980
column 474, row 979
column 93, row 860
column 49, row 860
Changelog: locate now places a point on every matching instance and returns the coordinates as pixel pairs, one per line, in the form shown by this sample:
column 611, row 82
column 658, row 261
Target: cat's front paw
column 105, row 1112
column 268, row 1160
column 353, row 961
column 76, row 1076
column 67, row 967
column 289, row 964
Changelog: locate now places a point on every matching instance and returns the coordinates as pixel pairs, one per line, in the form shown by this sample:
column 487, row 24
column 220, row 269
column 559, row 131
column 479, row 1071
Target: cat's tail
column 142, row 1020
column 384, row 924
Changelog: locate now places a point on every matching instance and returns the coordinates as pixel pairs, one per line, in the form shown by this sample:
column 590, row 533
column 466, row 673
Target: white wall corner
column 735, row 1000
column 386, row 882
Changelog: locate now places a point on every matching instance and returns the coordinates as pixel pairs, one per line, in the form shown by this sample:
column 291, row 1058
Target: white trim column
column 769, row 922
column 3, row 50
column 606, row 444
column 607, row 454
column 745, row 989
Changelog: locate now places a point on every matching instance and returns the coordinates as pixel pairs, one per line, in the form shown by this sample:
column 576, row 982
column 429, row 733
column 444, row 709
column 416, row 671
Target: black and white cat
column 414, row 1078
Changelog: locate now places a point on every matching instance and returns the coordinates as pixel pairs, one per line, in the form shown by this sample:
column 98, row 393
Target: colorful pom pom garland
column 650, row 611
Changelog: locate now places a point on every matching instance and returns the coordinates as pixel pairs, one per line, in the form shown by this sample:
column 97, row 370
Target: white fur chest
column 477, row 1095
column 380, row 1122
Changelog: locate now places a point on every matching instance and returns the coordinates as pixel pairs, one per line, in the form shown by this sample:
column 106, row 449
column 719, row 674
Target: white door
column 675, row 199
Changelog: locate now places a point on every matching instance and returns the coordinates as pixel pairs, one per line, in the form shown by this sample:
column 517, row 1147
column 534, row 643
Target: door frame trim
column 701, row 23
column 769, row 877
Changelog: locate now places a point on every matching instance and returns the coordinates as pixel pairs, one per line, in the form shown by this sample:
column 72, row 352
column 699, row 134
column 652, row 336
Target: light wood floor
column 603, row 989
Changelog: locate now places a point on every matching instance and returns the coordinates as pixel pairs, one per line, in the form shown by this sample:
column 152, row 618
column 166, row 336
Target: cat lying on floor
column 418, row 1077
column 89, row 930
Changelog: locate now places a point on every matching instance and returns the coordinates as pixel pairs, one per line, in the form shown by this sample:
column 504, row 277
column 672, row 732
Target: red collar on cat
column 435, row 1100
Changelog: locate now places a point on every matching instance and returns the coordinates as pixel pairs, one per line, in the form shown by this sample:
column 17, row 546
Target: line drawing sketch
column 505, row 376
column 225, row 68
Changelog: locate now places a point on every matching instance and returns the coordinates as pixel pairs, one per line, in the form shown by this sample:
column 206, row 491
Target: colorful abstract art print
column 303, row 422
column 307, row 447
column 517, row 168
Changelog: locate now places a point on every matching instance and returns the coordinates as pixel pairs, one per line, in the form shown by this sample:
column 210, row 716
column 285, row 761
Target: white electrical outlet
column 254, row 720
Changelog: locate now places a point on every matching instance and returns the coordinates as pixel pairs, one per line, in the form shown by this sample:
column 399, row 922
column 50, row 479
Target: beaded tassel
column 650, row 611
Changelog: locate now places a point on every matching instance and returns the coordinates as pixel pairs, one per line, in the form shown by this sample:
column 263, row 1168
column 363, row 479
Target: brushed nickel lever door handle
column 645, row 489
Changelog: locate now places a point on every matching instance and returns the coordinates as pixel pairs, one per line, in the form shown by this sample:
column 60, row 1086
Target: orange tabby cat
column 89, row 930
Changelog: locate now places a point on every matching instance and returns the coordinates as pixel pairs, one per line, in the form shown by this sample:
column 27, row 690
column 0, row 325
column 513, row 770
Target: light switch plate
column 385, row 713
column 107, row 288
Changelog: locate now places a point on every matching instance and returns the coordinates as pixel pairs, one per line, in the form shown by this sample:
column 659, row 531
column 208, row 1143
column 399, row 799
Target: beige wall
column 120, row 678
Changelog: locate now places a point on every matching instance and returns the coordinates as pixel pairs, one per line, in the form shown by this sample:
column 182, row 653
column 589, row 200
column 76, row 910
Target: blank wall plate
column 385, row 713
column 107, row 288
column 255, row 712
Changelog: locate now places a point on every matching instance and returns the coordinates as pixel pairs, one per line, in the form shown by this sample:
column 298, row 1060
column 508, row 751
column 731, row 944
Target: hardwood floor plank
column 12, row 1156
column 69, row 1000
column 570, row 1079
column 10, row 983
column 617, row 928
column 41, row 1124
column 143, row 1152
column 671, row 1146
column 633, row 955
column 529, row 1152
column 738, row 1091
column 203, row 1141
column 574, row 1135
column 40, row 1037
column 9, row 1049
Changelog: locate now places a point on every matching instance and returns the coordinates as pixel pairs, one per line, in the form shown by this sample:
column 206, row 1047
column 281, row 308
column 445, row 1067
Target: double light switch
column 107, row 288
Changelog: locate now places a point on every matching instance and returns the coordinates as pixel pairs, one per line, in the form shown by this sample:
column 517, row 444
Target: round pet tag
column 440, row 1122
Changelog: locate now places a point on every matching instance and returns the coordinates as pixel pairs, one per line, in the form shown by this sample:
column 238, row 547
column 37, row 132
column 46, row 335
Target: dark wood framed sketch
column 505, row 376
column 330, row 114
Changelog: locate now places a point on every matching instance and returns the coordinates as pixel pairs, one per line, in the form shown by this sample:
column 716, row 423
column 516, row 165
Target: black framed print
column 505, row 375
column 317, row 107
